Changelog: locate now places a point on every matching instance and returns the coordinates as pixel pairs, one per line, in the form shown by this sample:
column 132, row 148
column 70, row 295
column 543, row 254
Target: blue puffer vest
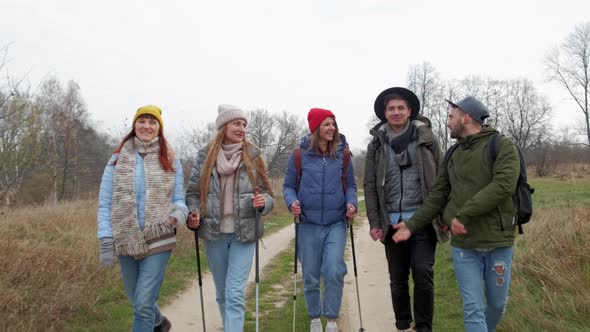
column 322, row 197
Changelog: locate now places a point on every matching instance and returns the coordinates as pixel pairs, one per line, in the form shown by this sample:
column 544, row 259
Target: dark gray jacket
column 428, row 156
column 403, row 191
column 244, row 212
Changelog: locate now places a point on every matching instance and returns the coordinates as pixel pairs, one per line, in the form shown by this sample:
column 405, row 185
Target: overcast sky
column 189, row 56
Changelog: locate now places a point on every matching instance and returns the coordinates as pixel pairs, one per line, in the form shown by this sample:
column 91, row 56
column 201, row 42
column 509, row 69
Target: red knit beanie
column 316, row 116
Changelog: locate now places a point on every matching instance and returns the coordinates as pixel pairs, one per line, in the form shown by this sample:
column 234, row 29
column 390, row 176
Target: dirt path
column 185, row 311
column 373, row 280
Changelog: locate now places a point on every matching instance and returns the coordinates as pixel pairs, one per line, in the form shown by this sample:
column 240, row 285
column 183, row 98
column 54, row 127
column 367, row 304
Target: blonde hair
column 332, row 145
column 251, row 170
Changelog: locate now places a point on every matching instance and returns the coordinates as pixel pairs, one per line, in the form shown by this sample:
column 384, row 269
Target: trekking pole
column 200, row 279
column 257, row 232
column 296, row 220
column 356, row 280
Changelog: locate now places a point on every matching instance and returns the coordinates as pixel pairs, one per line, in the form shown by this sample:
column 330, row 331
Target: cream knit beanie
column 227, row 113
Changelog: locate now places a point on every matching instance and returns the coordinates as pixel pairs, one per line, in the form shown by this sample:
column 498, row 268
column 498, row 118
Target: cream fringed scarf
column 228, row 160
column 129, row 239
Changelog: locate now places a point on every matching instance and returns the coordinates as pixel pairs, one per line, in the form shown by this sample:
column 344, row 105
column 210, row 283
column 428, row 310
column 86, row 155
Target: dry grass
column 49, row 270
column 51, row 279
column 566, row 171
column 551, row 279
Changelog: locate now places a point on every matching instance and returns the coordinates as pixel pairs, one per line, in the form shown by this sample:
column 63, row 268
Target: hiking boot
column 315, row 325
column 164, row 326
column 331, row 327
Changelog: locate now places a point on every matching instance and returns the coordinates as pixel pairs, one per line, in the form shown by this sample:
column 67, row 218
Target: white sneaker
column 331, row 327
column 315, row 325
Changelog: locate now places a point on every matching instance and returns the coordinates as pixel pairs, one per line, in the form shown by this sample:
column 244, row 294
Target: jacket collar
column 306, row 142
column 425, row 135
column 467, row 141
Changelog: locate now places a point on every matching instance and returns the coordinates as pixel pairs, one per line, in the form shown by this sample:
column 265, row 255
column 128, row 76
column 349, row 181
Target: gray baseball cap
column 473, row 107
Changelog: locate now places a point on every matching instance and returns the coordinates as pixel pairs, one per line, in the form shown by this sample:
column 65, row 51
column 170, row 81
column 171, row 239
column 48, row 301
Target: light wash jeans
column 479, row 271
column 230, row 261
column 321, row 253
column 142, row 279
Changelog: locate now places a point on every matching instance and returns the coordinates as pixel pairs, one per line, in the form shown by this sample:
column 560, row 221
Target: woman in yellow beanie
column 221, row 196
column 140, row 203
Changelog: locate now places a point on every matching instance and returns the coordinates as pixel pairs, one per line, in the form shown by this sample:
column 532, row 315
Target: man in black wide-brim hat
column 400, row 168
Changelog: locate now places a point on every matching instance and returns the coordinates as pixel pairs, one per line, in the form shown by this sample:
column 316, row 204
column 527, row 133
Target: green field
column 50, row 277
column 535, row 304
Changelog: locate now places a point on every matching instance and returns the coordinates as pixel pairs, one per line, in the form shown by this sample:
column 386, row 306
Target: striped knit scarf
column 129, row 239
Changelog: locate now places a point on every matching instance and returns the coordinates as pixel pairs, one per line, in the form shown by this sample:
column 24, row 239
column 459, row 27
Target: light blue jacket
column 106, row 193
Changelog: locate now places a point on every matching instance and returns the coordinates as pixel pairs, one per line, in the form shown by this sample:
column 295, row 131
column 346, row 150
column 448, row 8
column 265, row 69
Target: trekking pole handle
column 296, row 218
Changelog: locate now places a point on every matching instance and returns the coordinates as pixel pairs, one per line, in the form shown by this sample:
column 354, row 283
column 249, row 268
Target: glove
column 179, row 214
column 106, row 251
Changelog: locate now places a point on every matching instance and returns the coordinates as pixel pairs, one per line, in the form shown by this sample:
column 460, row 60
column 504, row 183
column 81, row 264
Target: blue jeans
column 321, row 253
column 230, row 261
column 142, row 279
column 479, row 271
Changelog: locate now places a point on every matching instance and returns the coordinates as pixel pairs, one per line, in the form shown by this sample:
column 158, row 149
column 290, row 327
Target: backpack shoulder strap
column 346, row 161
column 493, row 147
column 297, row 160
column 448, row 156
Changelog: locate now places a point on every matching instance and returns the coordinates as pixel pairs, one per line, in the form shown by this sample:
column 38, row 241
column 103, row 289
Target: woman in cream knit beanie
column 227, row 113
column 228, row 187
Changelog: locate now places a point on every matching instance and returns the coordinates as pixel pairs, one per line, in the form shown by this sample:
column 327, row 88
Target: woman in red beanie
column 323, row 206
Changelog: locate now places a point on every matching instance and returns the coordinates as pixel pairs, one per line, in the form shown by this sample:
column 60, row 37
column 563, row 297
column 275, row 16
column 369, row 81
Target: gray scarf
column 399, row 143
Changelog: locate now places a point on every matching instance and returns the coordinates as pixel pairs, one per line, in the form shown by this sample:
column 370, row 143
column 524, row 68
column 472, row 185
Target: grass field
column 50, row 278
column 551, row 280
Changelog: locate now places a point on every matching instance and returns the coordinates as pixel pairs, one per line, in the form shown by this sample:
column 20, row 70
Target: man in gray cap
column 476, row 201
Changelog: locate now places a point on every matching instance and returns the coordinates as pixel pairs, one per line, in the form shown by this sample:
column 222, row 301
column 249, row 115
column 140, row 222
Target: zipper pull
column 324, row 161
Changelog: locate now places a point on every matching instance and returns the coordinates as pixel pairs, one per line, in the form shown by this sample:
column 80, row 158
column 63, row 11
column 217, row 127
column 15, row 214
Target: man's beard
column 457, row 130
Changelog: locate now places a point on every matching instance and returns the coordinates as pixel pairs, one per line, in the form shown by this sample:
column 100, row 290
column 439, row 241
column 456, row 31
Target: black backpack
column 523, row 201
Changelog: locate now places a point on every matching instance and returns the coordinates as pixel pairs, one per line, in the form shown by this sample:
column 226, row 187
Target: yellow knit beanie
column 151, row 110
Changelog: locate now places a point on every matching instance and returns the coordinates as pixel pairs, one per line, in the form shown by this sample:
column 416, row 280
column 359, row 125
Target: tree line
column 50, row 150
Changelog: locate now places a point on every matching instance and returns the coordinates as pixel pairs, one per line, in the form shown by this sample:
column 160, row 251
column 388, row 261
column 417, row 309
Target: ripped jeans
column 483, row 278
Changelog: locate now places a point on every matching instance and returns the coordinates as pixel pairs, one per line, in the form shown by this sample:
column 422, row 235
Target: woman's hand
column 296, row 208
column 258, row 201
column 194, row 220
column 350, row 212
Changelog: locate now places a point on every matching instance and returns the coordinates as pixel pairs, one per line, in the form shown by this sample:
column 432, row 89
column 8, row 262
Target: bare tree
column 189, row 143
column 18, row 144
column 63, row 115
column 289, row 130
column 260, row 127
column 527, row 114
column 276, row 135
column 569, row 66
column 423, row 80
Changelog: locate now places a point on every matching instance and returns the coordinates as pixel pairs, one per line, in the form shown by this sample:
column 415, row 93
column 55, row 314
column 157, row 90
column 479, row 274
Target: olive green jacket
column 477, row 195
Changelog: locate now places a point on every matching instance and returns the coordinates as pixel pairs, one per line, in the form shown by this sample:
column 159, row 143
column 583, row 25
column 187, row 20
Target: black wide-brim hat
column 407, row 95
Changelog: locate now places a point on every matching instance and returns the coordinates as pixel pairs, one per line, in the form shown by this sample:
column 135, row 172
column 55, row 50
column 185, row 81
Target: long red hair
column 166, row 152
